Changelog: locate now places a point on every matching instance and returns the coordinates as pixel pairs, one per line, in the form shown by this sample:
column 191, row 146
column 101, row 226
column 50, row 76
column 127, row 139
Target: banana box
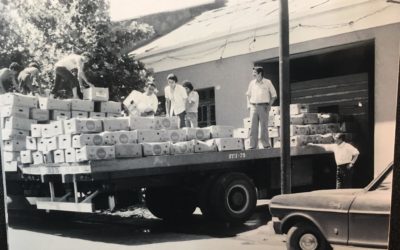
column 172, row 122
column 96, row 94
column 242, row 133
column 298, row 119
column 38, row 157
column 275, row 110
column 299, row 108
column 59, row 156
column 110, row 107
column 331, row 127
column 328, row 118
column 311, row 118
column 26, row 157
column 325, row 139
column 15, row 145
column 18, row 100
column 247, row 123
column 156, row 148
column 120, row 137
column 65, row 141
column 79, row 114
column 41, row 115
column 89, row 153
column 228, row 144
column 218, row 131
column 57, row 115
column 273, row 132
column 137, row 122
column 82, row 125
column 11, row 156
column 18, row 123
column 31, row 143
column 41, row 144
column 316, row 129
column 10, row 166
column 82, row 140
column 300, row 140
column 116, row 124
column 299, row 130
column 176, row 135
column 54, row 104
column 21, row 112
column 11, row 134
column 205, row 146
column 82, row 105
column 55, row 128
column 114, row 115
column 184, row 147
column 51, row 143
column 70, row 155
column 48, row 157
column 198, row 133
column 131, row 150
column 147, row 135
column 97, row 115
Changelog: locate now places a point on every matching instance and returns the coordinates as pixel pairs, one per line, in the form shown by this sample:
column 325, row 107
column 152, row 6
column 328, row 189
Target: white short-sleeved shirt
column 192, row 104
column 177, row 97
column 261, row 92
column 148, row 102
column 70, row 62
column 344, row 152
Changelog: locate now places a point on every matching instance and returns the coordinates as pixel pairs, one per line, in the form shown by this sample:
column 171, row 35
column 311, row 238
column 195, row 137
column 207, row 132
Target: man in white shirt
column 261, row 94
column 192, row 105
column 175, row 99
column 66, row 84
column 345, row 156
column 148, row 103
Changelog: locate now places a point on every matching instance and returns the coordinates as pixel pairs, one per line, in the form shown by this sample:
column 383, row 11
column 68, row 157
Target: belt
column 260, row 104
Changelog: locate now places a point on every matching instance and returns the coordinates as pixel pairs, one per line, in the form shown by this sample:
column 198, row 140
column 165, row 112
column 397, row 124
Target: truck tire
column 170, row 203
column 305, row 236
column 234, row 198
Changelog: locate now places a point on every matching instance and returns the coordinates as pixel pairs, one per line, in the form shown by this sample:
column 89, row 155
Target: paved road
column 140, row 230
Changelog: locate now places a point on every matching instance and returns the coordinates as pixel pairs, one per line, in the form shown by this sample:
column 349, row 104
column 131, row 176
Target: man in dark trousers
column 8, row 78
column 66, row 84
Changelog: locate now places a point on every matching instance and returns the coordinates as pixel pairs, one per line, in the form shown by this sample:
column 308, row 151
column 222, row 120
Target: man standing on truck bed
column 345, row 156
column 261, row 94
column 8, row 78
column 65, row 81
column 175, row 99
column 28, row 80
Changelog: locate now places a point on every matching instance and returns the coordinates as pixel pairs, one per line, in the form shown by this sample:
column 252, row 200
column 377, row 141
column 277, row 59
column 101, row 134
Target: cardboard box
column 218, row 131
column 82, row 125
column 26, row 157
column 137, row 122
column 70, row 155
column 31, row 143
column 176, row 135
column 18, row 123
column 82, row 105
column 41, row 115
column 198, row 133
column 114, row 115
column 57, row 115
column 19, row 100
column 64, row 141
column 10, row 166
column 79, row 114
column 325, row 139
column 48, row 157
column 156, row 148
column 311, row 118
column 10, row 134
column 51, row 144
column 55, row 128
column 205, row 146
column 97, row 115
column 116, row 124
column 332, row 127
column 15, row 145
column 120, row 137
column 130, row 102
column 247, row 123
column 38, row 157
column 96, row 94
column 110, row 107
column 147, row 135
column 54, row 104
column 275, row 110
column 297, row 119
column 89, row 153
column 11, row 156
column 59, row 156
column 299, row 130
column 328, row 118
column 41, row 145
column 167, row 122
column 80, row 141
column 299, row 108
column 300, row 140
column 242, row 133
column 316, row 129
column 184, row 147
column 228, row 144
column 130, row 150
column 21, row 112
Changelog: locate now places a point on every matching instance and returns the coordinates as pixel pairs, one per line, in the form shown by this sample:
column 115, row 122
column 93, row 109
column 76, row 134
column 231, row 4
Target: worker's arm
column 324, row 146
column 272, row 93
column 81, row 74
column 248, row 95
column 354, row 157
column 168, row 107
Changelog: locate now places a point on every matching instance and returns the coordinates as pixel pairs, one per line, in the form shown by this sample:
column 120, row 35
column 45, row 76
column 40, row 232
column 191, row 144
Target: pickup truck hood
column 323, row 200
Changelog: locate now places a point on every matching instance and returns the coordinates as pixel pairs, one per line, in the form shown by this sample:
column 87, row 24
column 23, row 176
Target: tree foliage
column 46, row 30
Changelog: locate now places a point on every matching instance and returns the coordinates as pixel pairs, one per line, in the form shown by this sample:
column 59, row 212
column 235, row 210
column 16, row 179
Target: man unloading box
column 261, row 94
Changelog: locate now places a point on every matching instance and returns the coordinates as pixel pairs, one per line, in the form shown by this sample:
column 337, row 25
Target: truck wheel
column 234, row 198
column 170, row 203
column 205, row 201
column 304, row 236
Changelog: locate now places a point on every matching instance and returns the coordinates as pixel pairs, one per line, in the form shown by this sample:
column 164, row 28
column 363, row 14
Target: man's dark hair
column 33, row 64
column 15, row 66
column 172, row 77
column 259, row 70
column 187, row 84
column 341, row 136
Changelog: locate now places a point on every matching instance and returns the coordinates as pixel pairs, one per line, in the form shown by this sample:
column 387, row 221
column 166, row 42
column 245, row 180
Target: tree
column 51, row 29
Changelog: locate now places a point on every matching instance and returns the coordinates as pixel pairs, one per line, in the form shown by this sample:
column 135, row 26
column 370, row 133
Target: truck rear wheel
column 170, row 203
column 234, row 198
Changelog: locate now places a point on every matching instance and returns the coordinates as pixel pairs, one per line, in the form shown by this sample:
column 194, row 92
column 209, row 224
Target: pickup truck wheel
column 234, row 198
column 304, row 236
column 170, row 203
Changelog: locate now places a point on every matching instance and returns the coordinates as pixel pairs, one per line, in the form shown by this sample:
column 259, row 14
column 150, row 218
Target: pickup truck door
column 369, row 216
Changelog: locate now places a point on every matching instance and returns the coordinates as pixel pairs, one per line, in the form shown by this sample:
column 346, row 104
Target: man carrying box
column 65, row 81
column 261, row 94
column 28, row 80
column 175, row 96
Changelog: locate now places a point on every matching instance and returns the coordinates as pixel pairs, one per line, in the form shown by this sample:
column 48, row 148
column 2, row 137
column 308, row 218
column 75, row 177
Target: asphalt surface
column 138, row 229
